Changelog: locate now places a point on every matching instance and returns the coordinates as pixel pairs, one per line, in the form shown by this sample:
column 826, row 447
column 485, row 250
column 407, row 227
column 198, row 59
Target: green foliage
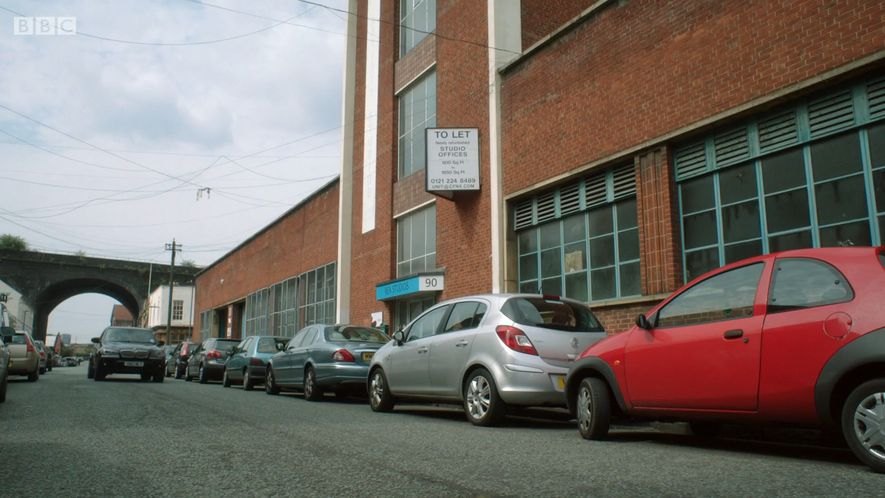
column 188, row 264
column 13, row 243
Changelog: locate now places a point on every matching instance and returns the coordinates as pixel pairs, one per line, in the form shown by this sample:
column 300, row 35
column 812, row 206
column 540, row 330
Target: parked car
column 23, row 356
column 323, row 358
column 795, row 337
column 485, row 352
column 43, row 355
column 180, row 355
column 128, row 350
column 4, row 361
column 246, row 365
column 207, row 361
column 71, row 361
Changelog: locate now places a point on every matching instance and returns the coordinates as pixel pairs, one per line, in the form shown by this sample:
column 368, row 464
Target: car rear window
column 222, row 344
column 355, row 334
column 271, row 345
column 19, row 339
column 551, row 313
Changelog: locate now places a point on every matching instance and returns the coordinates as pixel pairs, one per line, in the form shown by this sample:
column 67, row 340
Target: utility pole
column 174, row 248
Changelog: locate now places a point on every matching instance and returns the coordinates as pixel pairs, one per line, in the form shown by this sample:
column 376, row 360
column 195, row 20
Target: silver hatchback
column 487, row 352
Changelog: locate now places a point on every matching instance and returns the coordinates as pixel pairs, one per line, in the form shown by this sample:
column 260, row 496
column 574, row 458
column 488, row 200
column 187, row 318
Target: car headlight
column 109, row 353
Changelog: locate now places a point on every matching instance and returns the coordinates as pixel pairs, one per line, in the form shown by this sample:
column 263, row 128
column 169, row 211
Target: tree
column 188, row 264
column 13, row 243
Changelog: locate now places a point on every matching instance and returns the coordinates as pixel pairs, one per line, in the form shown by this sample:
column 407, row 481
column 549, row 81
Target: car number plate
column 133, row 363
column 368, row 356
column 559, row 381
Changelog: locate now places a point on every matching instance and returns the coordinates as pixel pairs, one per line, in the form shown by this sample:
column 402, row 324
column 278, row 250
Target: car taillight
column 516, row 339
column 42, row 355
column 30, row 347
column 213, row 354
column 256, row 362
column 342, row 355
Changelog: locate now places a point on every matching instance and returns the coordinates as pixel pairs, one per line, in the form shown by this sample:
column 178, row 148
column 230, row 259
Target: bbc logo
column 45, row 26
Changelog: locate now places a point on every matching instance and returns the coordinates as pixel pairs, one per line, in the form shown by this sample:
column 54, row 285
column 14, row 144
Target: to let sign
column 452, row 159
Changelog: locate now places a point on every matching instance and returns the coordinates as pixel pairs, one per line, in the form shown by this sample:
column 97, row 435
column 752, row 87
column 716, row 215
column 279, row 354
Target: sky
column 159, row 120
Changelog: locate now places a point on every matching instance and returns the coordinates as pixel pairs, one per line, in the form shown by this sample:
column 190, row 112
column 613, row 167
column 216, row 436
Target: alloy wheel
column 376, row 389
column 585, row 409
column 869, row 424
column 479, row 394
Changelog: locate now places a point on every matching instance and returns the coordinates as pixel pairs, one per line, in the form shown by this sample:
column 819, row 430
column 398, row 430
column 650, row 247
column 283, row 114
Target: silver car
column 485, row 351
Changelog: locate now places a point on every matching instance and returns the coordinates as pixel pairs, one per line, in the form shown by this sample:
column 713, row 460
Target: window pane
column 879, row 187
column 881, row 230
column 550, row 263
column 737, row 184
column 798, row 240
column 700, row 262
column 601, row 221
column 419, row 240
column 851, row 234
column 528, row 267
column 803, row 283
column 737, row 252
column 700, row 229
column 529, row 287
column 552, row 286
column 626, row 214
column 740, row 221
column 575, row 257
column 602, row 283
column 784, row 170
column 836, row 157
column 725, row 296
column 697, row 194
column 528, row 241
column 573, row 228
column 841, row 200
column 787, row 210
column 602, row 252
column 877, row 145
column 630, row 280
column 576, row 286
column 628, row 245
column 550, row 235
column 430, row 228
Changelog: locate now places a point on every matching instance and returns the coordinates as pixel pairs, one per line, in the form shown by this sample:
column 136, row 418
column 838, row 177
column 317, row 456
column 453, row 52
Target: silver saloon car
column 486, row 352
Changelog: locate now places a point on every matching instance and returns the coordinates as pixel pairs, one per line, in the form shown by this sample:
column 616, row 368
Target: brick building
column 623, row 148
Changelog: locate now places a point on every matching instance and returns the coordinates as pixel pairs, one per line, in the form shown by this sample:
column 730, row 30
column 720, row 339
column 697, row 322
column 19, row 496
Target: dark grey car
column 128, row 350
column 246, row 365
column 207, row 361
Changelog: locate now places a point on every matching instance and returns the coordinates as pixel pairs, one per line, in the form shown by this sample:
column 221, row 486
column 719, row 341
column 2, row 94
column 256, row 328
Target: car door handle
column 734, row 334
column 422, row 350
column 461, row 344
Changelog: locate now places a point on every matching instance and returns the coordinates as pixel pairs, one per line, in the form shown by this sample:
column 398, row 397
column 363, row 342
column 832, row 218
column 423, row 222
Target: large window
column 590, row 255
column 811, row 175
column 416, row 242
column 284, row 308
column 318, row 303
column 417, row 18
column 417, row 111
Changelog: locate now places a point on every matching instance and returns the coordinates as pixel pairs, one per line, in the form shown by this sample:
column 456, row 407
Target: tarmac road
column 68, row 436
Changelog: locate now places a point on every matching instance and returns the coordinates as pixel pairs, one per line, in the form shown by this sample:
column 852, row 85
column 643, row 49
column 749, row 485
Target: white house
column 20, row 313
column 182, row 312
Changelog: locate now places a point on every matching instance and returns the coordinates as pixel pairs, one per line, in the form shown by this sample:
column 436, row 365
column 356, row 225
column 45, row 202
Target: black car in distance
column 127, row 350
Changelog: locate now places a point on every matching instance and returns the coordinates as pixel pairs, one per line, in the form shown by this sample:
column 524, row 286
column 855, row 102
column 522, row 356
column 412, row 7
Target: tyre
column 380, row 398
column 90, row 371
column 179, row 372
column 160, row 376
column 482, row 404
column 248, row 383
column 99, row 373
column 168, row 373
column 33, row 376
column 593, row 408
column 270, row 385
column 863, row 423
column 187, row 374
column 312, row 392
column 204, row 375
column 3, row 383
column 42, row 370
column 225, row 380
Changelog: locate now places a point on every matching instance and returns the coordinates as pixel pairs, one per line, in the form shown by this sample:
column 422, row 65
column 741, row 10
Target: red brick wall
column 542, row 17
column 659, row 246
column 304, row 239
column 639, row 69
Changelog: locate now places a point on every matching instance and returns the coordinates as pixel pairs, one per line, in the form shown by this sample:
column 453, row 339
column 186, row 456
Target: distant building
column 157, row 313
column 121, row 317
column 20, row 314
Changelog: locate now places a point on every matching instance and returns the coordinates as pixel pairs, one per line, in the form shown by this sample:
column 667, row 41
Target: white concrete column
column 345, row 182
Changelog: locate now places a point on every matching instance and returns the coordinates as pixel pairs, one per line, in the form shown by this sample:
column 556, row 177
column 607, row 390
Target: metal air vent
column 731, row 147
column 624, row 181
column 690, row 161
column 778, row 131
column 830, row 114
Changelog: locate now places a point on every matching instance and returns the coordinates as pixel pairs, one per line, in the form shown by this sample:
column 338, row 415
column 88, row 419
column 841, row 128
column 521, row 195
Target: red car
column 792, row 337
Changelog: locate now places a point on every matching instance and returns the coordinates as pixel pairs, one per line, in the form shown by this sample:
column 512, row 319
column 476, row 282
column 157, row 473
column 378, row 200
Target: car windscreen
column 221, row 344
column 355, row 334
column 551, row 313
column 271, row 344
column 130, row 335
column 19, row 339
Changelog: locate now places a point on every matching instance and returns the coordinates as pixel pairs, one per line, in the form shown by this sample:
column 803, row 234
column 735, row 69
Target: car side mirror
column 398, row 337
column 96, row 340
column 643, row 323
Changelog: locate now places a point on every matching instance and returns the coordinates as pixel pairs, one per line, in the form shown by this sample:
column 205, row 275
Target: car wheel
column 248, row 384
column 33, row 376
column 863, row 423
column 270, row 385
column 380, row 398
column 203, row 374
column 594, row 408
column 42, row 370
column 168, row 373
column 482, row 404
column 705, row 430
column 90, row 371
column 160, row 376
column 312, row 392
column 99, row 373
column 145, row 376
column 179, row 372
column 3, row 384
column 225, row 380
column 187, row 374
